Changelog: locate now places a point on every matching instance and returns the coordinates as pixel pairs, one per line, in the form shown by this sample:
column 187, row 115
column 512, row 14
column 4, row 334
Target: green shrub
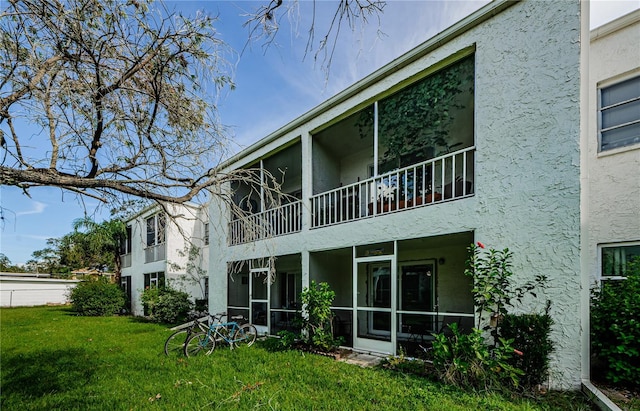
column 493, row 290
column 285, row 340
column 166, row 305
column 97, row 297
column 615, row 327
column 317, row 318
column 531, row 336
column 466, row 360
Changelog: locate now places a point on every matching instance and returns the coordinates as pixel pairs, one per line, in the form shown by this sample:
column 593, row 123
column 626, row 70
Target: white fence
column 24, row 291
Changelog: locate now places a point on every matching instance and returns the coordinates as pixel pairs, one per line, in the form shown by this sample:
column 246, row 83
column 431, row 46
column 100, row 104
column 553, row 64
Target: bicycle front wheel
column 174, row 346
column 245, row 335
column 199, row 343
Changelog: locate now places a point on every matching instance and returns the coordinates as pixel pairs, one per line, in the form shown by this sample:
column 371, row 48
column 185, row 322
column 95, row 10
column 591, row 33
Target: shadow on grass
column 46, row 372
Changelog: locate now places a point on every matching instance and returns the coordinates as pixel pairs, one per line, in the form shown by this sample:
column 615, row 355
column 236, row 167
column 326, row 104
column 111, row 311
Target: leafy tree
column 124, row 93
column 90, row 245
column 102, row 241
column 47, row 260
column 8, row 267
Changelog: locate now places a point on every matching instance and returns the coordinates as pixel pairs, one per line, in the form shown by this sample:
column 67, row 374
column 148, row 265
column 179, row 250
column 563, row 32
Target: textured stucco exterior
column 527, row 164
column 613, row 177
column 184, row 224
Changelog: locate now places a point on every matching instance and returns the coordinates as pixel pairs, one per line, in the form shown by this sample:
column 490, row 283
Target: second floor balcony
column 391, row 154
column 155, row 253
column 438, row 180
column 434, row 181
column 274, row 222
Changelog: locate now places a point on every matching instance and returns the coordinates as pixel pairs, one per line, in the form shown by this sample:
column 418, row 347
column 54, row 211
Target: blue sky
column 273, row 87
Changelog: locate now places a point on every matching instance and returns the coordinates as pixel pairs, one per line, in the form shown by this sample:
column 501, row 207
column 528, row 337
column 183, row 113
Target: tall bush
column 615, row 327
column 317, row 316
column 493, row 291
column 97, row 298
column 477, row 360
column 166, row 305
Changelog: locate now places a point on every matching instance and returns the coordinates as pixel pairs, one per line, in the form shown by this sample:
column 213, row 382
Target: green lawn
column 54, row 360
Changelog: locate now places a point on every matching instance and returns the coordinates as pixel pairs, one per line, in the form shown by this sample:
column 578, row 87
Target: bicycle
column 231, row 332
column 175, row 343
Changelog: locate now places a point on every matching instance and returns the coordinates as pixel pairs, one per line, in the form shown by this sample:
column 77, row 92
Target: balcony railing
column 440, row 179
column 274, row 222
column 155, row 253
column 125, row 260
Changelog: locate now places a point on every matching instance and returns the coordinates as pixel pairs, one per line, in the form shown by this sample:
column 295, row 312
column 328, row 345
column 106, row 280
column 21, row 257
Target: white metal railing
column 155, row 253
column 274, row 222
column 440, row 179
column 125, row 260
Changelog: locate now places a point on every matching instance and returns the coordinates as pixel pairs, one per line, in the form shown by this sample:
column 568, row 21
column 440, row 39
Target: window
column 616, row 258
column 154, row 280
column 206, row 233
column 619, row 114
column 125, row 243
column 155, row 230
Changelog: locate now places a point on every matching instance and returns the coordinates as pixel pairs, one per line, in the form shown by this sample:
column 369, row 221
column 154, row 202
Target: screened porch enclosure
column 268, row 296
column 412, row 148
column 268, row 204
column 395, row 295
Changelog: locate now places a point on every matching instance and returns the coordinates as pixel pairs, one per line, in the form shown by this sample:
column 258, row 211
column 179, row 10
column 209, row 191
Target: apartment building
column 612, row 172
column 491, row 131
column 166, row 245
column 472, row 136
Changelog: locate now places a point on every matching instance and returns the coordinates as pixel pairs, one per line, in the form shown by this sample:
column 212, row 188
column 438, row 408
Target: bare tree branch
column 263, row 24
column 121, row 90
column 112, row 98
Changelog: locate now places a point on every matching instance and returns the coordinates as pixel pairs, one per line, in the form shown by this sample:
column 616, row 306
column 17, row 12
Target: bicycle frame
column 192, row 327
column 231, row 332
column 231, row 328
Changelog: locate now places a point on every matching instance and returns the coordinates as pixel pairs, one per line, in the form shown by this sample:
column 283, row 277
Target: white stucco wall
column 613, row 177
column 187, row 222
column 527, row 182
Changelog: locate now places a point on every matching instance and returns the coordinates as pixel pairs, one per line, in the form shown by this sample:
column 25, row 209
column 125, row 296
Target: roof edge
column 467, row 23
column 615, row 25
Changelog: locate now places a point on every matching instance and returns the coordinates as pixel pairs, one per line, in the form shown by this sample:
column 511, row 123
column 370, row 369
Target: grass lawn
column 54, row 360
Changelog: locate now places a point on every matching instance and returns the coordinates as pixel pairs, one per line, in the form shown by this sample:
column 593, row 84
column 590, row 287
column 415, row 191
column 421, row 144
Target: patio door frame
column 369, row 344
column 256, row 274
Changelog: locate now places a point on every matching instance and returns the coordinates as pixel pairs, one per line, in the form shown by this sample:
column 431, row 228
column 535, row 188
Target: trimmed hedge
column 531, row 336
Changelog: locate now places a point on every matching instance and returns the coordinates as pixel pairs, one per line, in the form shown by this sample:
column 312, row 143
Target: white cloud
column 37, row 208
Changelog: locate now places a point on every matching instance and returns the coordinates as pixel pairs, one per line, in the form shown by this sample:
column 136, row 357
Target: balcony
column 155, row 253
column 444, row 178
column 274, row 222
column 125, row 260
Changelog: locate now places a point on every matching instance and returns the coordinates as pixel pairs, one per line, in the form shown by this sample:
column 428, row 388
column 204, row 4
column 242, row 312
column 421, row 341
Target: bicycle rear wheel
column 245, row 335
column 174, row 346
column 199, row 343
